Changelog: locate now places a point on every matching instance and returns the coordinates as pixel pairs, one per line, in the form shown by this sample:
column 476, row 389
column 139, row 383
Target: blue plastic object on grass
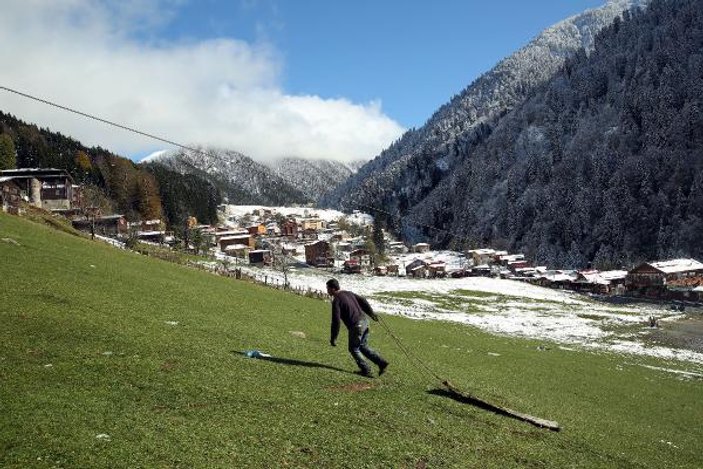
column 256, row 354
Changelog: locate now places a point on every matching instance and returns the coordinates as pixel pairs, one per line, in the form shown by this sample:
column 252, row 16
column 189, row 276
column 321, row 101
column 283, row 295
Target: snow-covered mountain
column 241, row 179
column 598, row 163
column 402, row 175
column 314, row 177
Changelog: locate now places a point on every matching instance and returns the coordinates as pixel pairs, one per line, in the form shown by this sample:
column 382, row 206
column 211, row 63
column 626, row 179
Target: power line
column 99, row 119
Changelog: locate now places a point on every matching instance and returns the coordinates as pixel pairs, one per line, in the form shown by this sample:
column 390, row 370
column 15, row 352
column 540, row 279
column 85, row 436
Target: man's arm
column 335, row 322
column 366, row 307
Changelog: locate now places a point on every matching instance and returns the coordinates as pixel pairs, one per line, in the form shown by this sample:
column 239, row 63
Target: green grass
column 181, row 396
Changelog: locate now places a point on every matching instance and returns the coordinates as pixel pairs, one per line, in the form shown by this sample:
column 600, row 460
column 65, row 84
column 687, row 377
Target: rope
column 422, row 365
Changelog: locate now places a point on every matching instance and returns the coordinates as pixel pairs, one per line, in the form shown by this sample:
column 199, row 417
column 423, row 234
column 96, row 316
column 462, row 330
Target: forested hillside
column 604, row 163
column 402, row 175
column 239, row 178
column 313, row 177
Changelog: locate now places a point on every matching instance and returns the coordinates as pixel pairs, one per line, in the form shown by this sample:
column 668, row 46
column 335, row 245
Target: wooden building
column 351, row 266
column 482, row 256
column 314, row 224
column 658, row 274
column 417, row 268
column 289, row 229
column 10, row 195
column 319, row 254
column 244, row 239
column 362, row 257
column 107, row 225
column 47, row 188
column 257, row 229
column 421, row 247
column 260, row 257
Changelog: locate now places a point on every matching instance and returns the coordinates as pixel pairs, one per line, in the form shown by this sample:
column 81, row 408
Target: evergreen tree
column 8, row 155
column 377, row 236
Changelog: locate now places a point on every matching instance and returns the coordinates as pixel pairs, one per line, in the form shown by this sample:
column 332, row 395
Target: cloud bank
column 223, row 92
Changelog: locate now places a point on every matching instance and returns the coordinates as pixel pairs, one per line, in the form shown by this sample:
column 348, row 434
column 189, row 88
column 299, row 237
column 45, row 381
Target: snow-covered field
column 328, row 215
column 506, row 307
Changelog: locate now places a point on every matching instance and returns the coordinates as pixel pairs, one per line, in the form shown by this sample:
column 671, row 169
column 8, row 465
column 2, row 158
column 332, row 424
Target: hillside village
column 338, row 243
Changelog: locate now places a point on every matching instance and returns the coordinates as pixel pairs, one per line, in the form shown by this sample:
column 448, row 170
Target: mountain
column 314, row 177
column 603, row 164
column 239, row 178
column 405, row 173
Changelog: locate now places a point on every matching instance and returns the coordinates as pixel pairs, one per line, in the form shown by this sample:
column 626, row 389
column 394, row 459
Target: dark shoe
column 364, row 373
column 382, row 368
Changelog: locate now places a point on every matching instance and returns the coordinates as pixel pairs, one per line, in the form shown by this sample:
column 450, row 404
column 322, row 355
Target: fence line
column 262, row 279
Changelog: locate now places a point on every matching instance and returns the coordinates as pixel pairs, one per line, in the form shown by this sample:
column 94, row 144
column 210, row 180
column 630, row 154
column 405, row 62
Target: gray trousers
column 359, row 347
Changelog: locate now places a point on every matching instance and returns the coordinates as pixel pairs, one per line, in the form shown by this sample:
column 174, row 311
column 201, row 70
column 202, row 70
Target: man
column 350, row 308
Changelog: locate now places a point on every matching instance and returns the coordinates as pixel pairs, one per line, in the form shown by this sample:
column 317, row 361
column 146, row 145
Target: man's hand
column 333, row 343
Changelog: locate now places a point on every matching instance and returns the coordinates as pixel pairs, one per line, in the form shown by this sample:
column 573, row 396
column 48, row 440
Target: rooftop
column 677, row 265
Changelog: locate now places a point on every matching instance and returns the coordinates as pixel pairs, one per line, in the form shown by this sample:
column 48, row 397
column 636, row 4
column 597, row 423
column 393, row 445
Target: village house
column 106, row 225
column 437, row 270
column 421, row 248
column 513, row 266
column 590, row 281
column 319, row 254
column 482, row 256
column 236, row 250
column 260, row 257
column 483, row 270
column 555, row 279
column 397, row 247
column 289, row 229
column 47, row 188
column 325, row 234
column 339, row 235
column 272, row 229
column 219, row 234
column 313, row 224
column 10, row 195
column 616, row 279
column 257, row 229
column 148, row 230
column 362, row 257
column 242, row 239
column 289, row 249
column 417, row 269
column 344, row 246
column 497, row 256
column 351, row 266
column 654, row 275
column 392, row 269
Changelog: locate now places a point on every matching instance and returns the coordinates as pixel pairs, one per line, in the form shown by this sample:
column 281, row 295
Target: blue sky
column 268, row 78
column 411, row 55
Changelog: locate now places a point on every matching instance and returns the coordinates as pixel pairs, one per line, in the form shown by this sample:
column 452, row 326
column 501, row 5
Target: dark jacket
column 349, row 308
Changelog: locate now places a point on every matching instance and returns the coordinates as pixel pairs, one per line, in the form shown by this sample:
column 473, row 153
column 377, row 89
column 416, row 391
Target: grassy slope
column 178, row 395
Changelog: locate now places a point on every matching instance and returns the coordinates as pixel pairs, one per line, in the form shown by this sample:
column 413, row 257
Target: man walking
column 350, row 308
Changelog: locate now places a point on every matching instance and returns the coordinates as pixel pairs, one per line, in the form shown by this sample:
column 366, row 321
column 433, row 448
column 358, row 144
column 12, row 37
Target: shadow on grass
column 465, row 399
column 468, row 400
column 294, row 362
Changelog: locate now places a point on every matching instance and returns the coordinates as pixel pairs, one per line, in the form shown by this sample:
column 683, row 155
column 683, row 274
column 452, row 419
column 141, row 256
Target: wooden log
column 469, row 399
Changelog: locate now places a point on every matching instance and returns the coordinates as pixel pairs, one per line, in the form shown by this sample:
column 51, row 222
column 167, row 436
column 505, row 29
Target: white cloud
column 224, row 92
